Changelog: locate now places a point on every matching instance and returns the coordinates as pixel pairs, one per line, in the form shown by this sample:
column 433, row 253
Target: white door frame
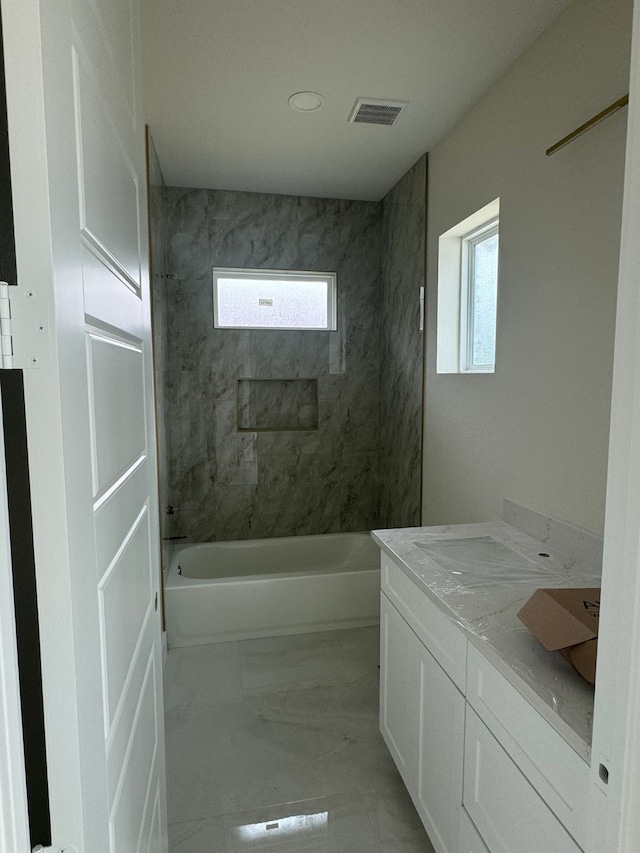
column 14, row 820
column 33, row 236
column 616, row 737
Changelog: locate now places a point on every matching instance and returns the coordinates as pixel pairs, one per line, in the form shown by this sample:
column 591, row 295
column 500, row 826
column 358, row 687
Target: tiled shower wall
column 401, row 348
column 360, row 468
column 228, row 484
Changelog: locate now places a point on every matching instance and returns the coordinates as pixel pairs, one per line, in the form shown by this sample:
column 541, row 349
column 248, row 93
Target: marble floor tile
column 323, row 825
column 361, row 646
column 202, row 675
column 305, row 660
column 394, row 820
column 285, row 720
column 280, row 747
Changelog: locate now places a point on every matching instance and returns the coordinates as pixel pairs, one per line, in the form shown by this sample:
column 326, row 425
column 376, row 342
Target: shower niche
column 277, row 405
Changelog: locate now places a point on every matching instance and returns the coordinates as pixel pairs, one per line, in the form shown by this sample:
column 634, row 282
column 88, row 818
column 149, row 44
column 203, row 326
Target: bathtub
column 220, row 591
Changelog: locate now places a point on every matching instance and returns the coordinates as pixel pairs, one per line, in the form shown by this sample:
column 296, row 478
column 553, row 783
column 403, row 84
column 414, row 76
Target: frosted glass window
column 483, row 299
column 273, row 299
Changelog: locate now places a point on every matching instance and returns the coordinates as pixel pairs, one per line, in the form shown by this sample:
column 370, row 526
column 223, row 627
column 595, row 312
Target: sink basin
column 484, row 561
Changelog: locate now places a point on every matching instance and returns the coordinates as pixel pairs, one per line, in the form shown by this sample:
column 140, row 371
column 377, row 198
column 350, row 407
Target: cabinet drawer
column 509, row 814
column 443, row 637
column 554, row 769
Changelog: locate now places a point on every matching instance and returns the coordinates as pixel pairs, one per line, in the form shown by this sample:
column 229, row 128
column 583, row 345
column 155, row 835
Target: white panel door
column 469, row 839
column 78, row 167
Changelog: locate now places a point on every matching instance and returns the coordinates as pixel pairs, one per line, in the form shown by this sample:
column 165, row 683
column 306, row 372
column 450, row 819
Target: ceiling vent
column 374, row 111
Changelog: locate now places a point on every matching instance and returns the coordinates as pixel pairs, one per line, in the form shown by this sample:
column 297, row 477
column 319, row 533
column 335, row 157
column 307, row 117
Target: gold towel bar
column 618, row 105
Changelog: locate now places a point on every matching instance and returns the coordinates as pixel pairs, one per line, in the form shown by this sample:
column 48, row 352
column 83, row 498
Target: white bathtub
column 221, row 591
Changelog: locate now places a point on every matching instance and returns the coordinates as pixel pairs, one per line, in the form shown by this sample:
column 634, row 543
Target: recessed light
column 306, row 102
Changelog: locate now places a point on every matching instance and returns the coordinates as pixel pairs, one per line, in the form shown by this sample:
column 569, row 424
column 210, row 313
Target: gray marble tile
column 277, row 405
column 321, row 234
column 284, row 746
column 329, row 481
column 235, row 511
column 322, row 825
column 359, row 412
column 309, row 660
column 275, row 731
column 253, row 230
column 411, row 188
column 202, row 675
column 394, row 821
column 190, row 324
column 360, row 505
column 289, row 354
column 401, row 343
column 188, row 233
column 563, row 536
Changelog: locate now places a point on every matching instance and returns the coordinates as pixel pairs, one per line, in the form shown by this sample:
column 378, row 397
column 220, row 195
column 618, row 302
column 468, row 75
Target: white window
column 478, row 299
column 273, row 299
column 468, row 294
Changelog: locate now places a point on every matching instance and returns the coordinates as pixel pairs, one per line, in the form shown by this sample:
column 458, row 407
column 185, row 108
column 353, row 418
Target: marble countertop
column 481, row 585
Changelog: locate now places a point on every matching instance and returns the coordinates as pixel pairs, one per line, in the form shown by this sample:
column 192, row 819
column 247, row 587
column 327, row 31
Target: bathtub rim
column 174, row 580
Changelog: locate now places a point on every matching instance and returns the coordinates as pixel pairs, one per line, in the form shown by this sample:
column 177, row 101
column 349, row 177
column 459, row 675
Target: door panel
column 125, row 595
column 116, row 380
column 119, row 739
column 135, row 788
column 106, row 297
column 116, row 515
column 81, row 238
column 115, row 22
column 155, row 831
column 107, row 180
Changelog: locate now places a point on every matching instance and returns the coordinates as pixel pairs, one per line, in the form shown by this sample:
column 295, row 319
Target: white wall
column 536, row 431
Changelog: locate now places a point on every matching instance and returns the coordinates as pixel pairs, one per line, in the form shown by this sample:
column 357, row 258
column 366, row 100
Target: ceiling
column 217, row 75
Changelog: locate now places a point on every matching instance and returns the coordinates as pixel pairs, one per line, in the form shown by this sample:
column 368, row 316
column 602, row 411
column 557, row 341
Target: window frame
column 240, row 273
column 452, row 338
column 468, row 242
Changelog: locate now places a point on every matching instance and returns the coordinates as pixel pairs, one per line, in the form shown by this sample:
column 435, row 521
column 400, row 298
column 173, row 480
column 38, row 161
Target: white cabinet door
column 422, row 721
column 507, row 810
column 399, row 691
column 440, row 753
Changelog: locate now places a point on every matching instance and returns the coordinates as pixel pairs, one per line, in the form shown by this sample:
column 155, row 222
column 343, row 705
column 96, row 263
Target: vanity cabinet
column 422, row 720
column 507, row 810
column 486, row 772
column 400, row 691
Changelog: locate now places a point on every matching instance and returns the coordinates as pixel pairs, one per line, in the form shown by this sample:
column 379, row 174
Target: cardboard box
column 566, row 620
